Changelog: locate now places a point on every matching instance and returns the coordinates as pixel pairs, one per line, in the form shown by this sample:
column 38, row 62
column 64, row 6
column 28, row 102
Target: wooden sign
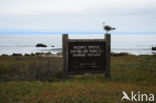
column 86, row 55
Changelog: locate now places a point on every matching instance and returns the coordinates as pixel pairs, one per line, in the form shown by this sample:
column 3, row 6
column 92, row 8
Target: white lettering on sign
column 83, row 51
column 86, row 65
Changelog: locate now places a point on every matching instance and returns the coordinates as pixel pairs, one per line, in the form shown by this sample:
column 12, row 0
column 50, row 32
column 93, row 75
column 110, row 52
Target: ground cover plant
column 25, row 80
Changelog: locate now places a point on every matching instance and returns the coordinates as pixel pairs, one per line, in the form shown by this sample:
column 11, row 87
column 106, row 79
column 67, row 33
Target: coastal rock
column 119, row 54
column 153, row 48
column 16, row 54
column 40, row 45
column 4, row 55
column 43, row 54
column 26, row 55
column 52, row 46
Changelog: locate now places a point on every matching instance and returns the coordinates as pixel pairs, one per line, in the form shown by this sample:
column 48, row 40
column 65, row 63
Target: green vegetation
column 30, row 68
column 38, row 80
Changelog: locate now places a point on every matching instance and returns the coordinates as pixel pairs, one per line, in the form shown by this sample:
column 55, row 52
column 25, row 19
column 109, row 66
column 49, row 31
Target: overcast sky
column 77, row 15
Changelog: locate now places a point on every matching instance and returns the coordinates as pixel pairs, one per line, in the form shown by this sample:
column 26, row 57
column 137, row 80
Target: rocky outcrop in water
column 153, row 48
column 16, row 54
column 52, row 46
column 40, row 45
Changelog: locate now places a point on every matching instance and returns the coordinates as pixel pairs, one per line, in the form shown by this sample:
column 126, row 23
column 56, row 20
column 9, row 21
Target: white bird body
column 107, row 28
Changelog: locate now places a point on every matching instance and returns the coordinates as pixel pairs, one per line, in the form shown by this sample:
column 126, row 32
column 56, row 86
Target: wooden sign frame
column 66, row 46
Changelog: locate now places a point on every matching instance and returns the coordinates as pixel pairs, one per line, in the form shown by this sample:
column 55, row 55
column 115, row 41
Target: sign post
column 65, row 55
column 82, row 56
column 108, row 56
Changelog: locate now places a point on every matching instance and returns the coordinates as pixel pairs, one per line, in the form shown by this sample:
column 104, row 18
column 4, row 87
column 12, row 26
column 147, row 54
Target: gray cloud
column 80, row 15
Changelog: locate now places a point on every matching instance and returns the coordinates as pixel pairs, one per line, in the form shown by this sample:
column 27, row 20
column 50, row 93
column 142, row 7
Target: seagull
column 125, row 96
column 107, row 28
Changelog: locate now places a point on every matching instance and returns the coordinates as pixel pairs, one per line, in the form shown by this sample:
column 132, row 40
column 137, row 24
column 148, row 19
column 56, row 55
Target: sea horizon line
column 75, row 32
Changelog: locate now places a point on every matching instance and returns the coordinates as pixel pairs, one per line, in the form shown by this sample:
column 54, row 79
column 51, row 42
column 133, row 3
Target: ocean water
column 132, row 43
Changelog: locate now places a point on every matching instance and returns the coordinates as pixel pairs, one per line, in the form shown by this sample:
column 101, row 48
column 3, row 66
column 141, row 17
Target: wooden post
column 65, row 55
column 108, row 56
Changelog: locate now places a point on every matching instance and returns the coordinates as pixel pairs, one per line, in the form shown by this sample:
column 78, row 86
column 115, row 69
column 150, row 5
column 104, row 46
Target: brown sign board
column 86, row 55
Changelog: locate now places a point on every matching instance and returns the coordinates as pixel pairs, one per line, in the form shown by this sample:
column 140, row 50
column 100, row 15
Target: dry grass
column 29, row 68
column 129, row 73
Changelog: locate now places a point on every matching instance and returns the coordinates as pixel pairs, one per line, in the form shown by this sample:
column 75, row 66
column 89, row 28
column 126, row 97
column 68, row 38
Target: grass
column 129, row 73
column 32, row 68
